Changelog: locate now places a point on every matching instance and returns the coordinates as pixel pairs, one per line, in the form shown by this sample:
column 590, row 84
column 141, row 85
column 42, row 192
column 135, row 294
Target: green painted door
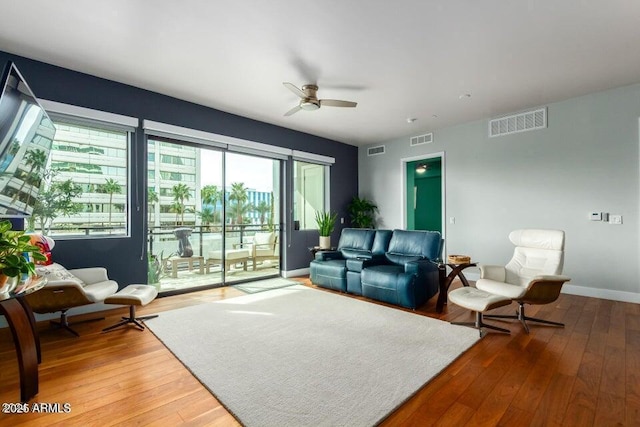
column 428, row 212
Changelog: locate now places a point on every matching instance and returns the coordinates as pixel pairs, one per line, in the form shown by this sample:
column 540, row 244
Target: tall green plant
column 326, row 222
column 362, row 212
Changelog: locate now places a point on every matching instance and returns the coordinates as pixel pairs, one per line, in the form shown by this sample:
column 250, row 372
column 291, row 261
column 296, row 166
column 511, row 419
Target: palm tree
column 239, row 195
column 207, row 215
column 111, row 187
column 263, row 208
column 152, row 199
column 179, row 209
column 238, row 211
column 181, row 193
column 211, row 195
column 36, row 160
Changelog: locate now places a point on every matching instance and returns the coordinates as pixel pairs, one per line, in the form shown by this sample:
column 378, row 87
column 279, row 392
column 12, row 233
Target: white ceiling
column 397, row 59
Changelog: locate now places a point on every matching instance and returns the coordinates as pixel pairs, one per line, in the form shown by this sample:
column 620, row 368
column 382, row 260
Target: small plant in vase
column 15, row 253
column 326, row 223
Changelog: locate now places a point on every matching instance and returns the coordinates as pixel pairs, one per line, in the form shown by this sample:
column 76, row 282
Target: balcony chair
column 66, row 289
column 262, row 246
column 533, row 276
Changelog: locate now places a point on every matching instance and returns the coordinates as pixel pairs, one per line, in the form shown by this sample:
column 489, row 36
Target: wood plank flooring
column 586, row 374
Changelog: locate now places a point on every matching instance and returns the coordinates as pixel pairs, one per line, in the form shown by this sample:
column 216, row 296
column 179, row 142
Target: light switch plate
column 595, row 216
column 615, row 219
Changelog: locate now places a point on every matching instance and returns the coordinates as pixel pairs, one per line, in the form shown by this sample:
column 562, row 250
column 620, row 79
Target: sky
column 256, row 173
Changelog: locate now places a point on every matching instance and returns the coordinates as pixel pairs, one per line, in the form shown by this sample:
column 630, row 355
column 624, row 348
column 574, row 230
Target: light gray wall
column 587, row 159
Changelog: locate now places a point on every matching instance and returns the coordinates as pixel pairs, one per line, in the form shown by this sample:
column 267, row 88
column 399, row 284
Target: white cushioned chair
column 262, row 246
column 66, row 289
column 533, row 276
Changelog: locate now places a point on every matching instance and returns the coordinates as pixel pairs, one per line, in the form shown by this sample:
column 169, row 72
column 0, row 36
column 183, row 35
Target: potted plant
column 362, row 212
column 326, row 222
column 16, row 257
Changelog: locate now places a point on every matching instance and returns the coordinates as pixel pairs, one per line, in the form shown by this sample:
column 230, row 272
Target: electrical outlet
column 452, row 220
column 615, row 219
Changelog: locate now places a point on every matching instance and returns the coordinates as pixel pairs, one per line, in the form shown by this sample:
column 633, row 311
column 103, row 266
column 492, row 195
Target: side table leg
column 32, row 320
column 174, row 268
column 442, row 294
column 25, row 347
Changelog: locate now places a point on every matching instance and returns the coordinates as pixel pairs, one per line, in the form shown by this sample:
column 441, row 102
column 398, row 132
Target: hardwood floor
column 586, row 374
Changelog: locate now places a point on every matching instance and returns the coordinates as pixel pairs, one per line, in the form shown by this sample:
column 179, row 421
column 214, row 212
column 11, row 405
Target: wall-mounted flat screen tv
column 26, row 136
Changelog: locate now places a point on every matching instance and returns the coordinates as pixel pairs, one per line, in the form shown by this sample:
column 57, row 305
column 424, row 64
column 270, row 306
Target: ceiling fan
column 309, row 101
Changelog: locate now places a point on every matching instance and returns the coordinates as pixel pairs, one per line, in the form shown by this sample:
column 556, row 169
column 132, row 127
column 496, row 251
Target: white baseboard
column 601, row 293
column 295, row 273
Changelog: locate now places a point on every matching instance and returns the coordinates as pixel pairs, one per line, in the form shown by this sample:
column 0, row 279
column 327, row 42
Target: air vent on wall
column 521, row 122
column 421, row 139
column 374, row 151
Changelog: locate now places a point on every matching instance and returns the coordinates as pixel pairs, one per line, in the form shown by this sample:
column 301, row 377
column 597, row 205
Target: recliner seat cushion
column 501, row 288
column 389, row 283
column 97, row 292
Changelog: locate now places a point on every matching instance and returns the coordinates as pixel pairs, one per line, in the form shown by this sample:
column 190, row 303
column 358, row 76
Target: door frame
column 403, row 190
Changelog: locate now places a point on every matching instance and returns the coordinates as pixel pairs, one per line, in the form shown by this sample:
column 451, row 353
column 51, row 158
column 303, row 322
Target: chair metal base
column 64, row 322
column 131, row 319
column 479, row 324
column 520, row 315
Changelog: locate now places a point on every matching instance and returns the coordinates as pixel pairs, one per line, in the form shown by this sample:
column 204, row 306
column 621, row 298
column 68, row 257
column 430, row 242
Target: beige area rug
column 297, row 356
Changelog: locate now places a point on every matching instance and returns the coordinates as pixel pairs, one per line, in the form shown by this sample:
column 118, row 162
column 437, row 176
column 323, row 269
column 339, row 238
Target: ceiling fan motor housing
column 309, row 104
column 309, row 100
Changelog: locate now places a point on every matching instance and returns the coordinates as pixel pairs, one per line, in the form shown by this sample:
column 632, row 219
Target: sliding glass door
column 213, row 216
column 252, row 194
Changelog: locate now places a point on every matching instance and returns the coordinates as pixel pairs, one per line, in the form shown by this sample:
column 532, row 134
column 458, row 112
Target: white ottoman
column 132, row 295
column 479, row 301
column 231, row 257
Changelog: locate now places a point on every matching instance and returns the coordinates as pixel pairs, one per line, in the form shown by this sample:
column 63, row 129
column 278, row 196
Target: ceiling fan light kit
column 309, row 100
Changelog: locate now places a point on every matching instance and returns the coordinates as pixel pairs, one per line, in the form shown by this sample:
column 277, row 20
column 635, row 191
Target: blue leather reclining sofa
column 395, row 267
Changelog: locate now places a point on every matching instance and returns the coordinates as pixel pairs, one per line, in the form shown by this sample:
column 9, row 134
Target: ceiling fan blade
column 293, row 110
column 293, row 88
column 337, row 103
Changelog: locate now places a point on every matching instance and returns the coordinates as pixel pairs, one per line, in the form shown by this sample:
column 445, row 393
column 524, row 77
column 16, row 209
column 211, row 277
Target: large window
column 310, row 193
column 86, row 182
column 213, row 215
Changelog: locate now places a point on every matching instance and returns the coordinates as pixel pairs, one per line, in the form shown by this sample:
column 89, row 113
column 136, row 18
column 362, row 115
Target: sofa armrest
column 328, row 255
column 493, row 272
column 551, row 278
column 420, row 267
column 360, row 263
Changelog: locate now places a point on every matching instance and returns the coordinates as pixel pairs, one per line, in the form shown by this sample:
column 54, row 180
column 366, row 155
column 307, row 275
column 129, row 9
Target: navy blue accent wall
column 124, row 257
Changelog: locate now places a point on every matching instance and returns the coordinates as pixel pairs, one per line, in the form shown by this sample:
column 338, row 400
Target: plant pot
column 325, row 242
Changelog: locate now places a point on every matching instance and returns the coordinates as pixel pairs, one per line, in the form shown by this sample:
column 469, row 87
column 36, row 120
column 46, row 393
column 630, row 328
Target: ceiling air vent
column 421, row 139
column 521, row 122
column 375, row 151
